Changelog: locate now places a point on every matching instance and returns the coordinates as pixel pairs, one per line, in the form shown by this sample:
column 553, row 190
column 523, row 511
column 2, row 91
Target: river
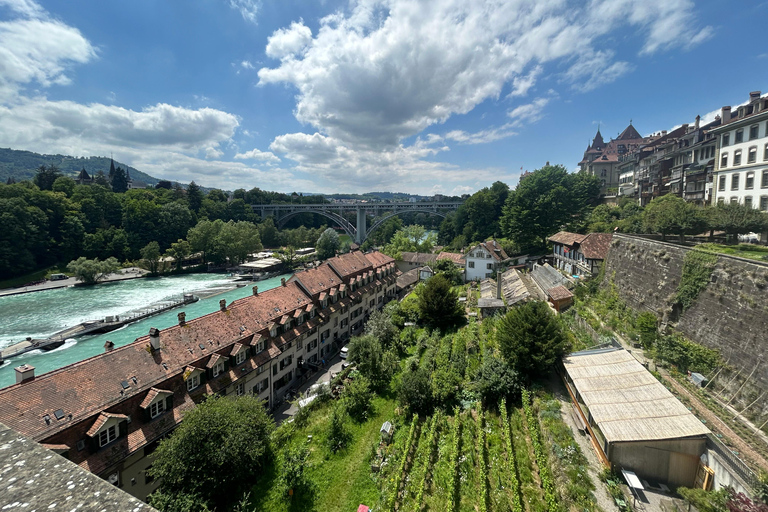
column 40, row 314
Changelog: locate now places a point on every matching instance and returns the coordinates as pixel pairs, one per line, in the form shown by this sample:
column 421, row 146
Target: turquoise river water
column 40, row 314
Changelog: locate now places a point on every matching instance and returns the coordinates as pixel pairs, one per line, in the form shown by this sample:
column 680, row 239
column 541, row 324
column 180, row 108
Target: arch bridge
column 335, row 212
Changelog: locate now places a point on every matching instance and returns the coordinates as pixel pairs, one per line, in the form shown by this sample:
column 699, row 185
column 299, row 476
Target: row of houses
column 108, row 413
column 722, row 160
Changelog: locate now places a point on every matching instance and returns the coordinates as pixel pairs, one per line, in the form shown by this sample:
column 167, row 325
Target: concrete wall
column 730, row 314
column 724, row 477
column 673, row 462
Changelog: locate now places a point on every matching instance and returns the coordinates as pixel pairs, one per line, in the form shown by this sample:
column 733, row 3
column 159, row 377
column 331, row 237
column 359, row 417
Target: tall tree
column 327, row 244
column 546, row 201
column 203, row 238
column 150, row 253
column 736, row 219
column 438, row 304
column 178, row 251
column 119, row 180
column 237, row 240
column 231, row 440
column 194, row 197
column 46, row 176
column 531, row 339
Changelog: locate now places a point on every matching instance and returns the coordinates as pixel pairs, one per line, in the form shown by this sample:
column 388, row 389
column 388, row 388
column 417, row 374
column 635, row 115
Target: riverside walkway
column 120, row 275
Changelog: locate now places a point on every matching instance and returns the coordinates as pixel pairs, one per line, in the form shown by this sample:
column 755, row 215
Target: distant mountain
column 22, row 165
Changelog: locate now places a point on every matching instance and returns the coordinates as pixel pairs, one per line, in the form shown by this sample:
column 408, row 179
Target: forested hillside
column 22, row 165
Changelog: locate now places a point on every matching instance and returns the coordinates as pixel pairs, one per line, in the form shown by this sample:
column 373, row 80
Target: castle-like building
column 602, row 159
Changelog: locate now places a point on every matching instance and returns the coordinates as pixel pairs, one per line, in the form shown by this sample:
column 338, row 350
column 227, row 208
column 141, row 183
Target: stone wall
column 730, row 314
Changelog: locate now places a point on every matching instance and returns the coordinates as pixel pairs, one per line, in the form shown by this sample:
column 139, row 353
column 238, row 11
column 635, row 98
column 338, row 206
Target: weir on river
column 40, row 315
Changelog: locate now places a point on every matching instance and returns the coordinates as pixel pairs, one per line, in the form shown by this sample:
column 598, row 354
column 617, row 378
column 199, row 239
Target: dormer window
column 156, row 409
column 260, row 347
column 240, row 357
column 218, row 369
column 325, row 303
column 312, row 314
column 108, row 435
column 193, row 381
column 273, row 332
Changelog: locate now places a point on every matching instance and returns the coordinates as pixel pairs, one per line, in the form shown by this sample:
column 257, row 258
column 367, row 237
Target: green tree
column 449, row 270
column 92, row 271
column 357, row 398
column 546, row 201
column 179, row 502
column 101, row 179
column 24, row 239
column 231, row 440
column 327, row 244
column 194, row 197
column 150, row 253
column 65, row 185
column 415, row 391
column 531, row 339
column 381, row 327
column 179, row 250
column 373, row 362
column 438, row 304
column 497, row 380
column 119, row 180
column 736, row 219
column 413, row 238
column 236, row 240
column 671, row 214
column 647, row 327
column 293, row 474
column 268, row 232
column 338, row 433
column 203, row 237
column 46, row 177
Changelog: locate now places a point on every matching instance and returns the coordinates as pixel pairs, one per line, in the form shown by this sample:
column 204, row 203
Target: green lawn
column 749, row 251
column 341, row 481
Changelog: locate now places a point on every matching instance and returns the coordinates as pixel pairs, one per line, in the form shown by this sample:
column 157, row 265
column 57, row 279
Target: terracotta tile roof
column 495, row 249
column 101, row 420
column 559, row 293
column 153, row 393
column 349, row 264
column 566, row 238
column 408, row 278
column 455, row 257
column 93, row 385
column 595, row 245
column 213, row 361
column 317, row 279
column 378, row 259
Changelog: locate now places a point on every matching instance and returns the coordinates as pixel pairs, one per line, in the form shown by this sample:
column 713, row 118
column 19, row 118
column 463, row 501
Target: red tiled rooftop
column 566, row 238
column 559, row 293
column 595, row 245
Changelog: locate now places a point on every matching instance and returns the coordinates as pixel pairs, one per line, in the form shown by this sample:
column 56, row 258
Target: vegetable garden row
column 472, row 460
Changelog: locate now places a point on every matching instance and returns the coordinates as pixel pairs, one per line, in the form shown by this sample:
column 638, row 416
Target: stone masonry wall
column 730, row 314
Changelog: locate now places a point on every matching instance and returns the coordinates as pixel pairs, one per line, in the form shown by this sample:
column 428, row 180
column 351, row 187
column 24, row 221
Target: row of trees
column 544, row 202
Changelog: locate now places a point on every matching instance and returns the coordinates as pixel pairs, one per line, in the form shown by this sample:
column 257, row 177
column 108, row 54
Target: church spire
column 598, row 142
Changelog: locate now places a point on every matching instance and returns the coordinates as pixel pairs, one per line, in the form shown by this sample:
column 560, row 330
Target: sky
column 324, row 96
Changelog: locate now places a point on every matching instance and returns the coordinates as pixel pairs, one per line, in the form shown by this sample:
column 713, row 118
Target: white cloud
column 255, row 154
column 528, row 113
column 481, row 137
column 246, row 64
column 385, row 70
column 286, row 42
column 34, row 48
column 249, row 9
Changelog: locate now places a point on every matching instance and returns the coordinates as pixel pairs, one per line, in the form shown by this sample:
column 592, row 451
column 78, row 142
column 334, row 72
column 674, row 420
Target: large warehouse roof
column 626, row 402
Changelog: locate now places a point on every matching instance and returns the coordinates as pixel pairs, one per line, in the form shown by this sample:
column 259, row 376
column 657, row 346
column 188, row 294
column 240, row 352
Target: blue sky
column 435, row 96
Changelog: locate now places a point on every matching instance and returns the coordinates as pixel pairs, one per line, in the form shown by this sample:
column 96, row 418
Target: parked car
column 344, row 352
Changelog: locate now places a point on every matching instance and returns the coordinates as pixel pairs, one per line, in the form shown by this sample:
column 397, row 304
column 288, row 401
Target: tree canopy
column 412, row 238
column 671, row 214
column 217, row 452
column 92, row 271
column 328, row 244
column 531, row 339
column 545, row 201
column 438, row 304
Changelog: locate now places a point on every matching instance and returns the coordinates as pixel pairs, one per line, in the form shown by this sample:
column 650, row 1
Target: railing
column 734, row 463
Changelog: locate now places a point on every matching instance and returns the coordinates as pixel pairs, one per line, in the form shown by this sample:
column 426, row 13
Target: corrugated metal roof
column 626, row 401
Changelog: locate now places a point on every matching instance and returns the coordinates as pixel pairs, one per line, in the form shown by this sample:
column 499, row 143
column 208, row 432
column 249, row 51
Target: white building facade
column 483, row 260
column 741, row 174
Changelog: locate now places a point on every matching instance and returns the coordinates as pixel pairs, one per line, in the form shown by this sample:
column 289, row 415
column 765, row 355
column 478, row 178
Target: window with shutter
column 108, row 435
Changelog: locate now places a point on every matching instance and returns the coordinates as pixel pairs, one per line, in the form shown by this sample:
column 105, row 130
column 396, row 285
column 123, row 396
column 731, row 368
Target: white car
column 344, row 352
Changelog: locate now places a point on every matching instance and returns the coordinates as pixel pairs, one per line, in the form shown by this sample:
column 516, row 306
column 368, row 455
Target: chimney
column 24, row 373
column 154, row 338
column 182, row 318
column 754, row 95
column 698, row 122
column 282, row 281
column 725, row 114
column 223, row 304
column 109, row 346
column 663, row 133
column 255, row 291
